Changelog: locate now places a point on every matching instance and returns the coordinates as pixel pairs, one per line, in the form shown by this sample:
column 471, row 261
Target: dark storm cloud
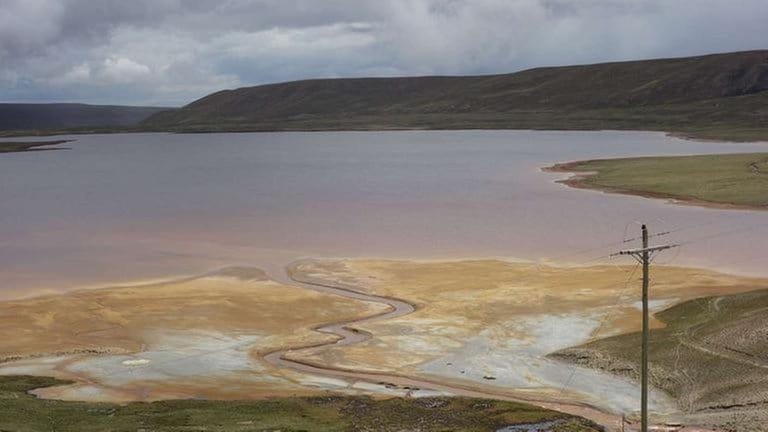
column 172, row 51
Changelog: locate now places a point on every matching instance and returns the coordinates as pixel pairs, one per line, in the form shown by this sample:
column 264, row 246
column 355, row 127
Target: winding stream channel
column 348, row 335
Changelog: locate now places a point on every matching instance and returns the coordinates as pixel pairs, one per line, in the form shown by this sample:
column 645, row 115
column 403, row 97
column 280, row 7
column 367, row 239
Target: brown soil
column 94, row 323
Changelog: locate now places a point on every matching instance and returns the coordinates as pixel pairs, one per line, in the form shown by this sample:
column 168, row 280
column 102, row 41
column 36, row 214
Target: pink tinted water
column 128, row 207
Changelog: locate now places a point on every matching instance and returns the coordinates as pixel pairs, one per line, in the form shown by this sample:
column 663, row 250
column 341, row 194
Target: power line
column 662, row 234
column 724, row 233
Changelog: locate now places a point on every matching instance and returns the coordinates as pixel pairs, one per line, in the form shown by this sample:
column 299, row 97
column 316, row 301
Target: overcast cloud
column 170, row 52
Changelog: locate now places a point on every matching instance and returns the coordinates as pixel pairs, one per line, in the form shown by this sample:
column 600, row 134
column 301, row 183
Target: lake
column 116, row 209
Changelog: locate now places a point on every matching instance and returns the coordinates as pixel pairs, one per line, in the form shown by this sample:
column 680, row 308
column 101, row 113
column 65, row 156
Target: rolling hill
column 719, row 95
column 21, row 116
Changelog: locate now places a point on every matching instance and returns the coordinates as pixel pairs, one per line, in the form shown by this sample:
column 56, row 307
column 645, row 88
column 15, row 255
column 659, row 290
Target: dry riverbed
column 193, row 338
column 493, row 323
column 482, row 324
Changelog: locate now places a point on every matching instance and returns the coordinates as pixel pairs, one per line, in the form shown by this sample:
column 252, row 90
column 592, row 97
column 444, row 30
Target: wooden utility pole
column 643, row 255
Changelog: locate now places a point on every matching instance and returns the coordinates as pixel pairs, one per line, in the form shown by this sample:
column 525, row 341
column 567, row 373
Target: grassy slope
column 733, row 179
column 718, row 96
column 22, row 412
column 712, row 355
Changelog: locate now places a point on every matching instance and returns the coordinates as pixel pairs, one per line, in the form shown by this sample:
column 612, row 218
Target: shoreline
column 39, row 293
column 31, row 146
column 688, row 136
column 581, row 180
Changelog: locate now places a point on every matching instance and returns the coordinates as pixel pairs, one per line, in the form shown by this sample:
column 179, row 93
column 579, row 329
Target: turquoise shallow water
column 126, row 207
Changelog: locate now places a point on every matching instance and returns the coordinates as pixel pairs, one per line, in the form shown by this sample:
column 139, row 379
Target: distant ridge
column 704, row 95
column 24, row 116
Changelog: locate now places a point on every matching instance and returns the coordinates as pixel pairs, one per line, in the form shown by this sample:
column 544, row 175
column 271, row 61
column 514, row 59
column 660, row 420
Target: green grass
column 684, row 120
column 22, row 412
column 682, row 123
column 708, row 357
column 731, row 179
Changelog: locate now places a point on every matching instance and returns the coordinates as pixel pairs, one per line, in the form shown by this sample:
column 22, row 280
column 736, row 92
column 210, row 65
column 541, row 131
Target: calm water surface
column 128, row 207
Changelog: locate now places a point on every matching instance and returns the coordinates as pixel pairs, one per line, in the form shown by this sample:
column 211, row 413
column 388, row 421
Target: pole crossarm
column 643, row 255
column 640, row 251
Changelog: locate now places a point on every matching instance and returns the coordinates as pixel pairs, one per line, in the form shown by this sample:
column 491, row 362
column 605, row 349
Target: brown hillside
column 644, row 94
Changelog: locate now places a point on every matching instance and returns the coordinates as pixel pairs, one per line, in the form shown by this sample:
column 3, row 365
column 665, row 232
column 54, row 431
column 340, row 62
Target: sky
column 171, row 52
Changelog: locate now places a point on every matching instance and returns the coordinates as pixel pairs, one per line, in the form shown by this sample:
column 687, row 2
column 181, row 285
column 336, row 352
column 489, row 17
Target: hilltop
column 721, row 96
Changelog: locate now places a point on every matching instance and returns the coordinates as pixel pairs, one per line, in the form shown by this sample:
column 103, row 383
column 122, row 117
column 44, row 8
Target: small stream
column 348, row 336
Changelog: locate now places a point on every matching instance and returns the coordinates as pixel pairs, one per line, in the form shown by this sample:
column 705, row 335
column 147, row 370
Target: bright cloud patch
column 124, row 70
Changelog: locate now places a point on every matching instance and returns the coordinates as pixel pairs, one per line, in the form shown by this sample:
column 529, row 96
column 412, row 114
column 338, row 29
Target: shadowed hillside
column 15, row 116
column 714, row 95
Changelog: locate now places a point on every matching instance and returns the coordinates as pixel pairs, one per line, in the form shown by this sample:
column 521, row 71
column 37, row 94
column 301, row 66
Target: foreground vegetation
column 739, row 180
column 20, row 411
column 712, row 357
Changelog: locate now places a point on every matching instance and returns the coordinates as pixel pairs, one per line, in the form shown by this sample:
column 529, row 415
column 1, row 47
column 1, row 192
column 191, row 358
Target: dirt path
column 737, row 358
column 348, row 335
column 688, row 339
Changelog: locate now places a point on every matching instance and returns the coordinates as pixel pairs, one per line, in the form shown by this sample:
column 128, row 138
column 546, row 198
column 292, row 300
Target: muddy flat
column 198, row 337
column 480, row 327
column 494, row 322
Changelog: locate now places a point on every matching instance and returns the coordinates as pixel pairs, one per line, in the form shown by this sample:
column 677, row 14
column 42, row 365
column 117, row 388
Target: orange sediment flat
column 340, row 277
column 187, row 338
column 347, row 325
